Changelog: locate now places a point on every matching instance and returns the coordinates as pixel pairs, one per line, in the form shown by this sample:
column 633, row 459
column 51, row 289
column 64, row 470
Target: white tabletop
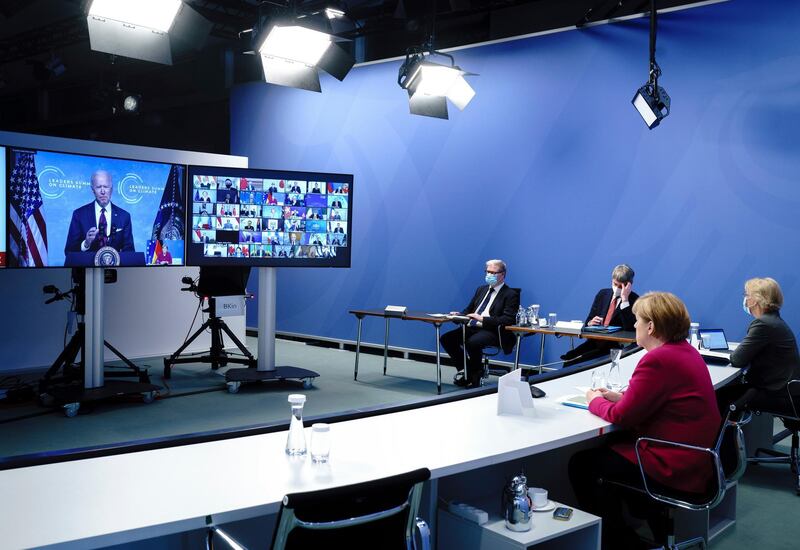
column 114, row 499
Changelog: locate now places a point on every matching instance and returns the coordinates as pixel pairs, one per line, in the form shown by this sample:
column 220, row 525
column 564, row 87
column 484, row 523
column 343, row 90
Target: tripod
column 217, row 356
column 67, row 387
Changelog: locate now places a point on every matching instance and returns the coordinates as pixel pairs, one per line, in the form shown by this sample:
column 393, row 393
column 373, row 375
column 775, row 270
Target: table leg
column 358, row 347
column 386, row 346
column 438, row 361
column 516, row 353
column 541, row 353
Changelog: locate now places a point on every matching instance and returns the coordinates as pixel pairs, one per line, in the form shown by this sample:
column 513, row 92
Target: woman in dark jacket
column 768, row 351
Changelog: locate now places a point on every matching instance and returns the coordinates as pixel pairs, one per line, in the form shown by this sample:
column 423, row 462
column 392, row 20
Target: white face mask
column 617, row 291
column 744, row 305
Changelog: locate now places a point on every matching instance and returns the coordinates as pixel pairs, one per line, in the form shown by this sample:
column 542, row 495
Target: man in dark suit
column 493, row 306
column 611, row 307
column 100, row 223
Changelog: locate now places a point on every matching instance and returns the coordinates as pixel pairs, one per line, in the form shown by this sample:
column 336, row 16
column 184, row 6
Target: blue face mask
column 491, row 279
column 744, row 306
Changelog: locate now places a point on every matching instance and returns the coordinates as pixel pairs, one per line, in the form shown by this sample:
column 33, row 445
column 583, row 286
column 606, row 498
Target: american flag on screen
column 28, row 231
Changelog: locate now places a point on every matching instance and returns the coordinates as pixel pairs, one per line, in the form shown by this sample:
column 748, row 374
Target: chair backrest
column 729, row 459
column 375, row 514
column 506, row 349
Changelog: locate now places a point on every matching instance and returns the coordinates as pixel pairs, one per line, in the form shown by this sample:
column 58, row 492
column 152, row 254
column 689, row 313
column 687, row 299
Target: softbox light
column 144, row 29
column 430, row 85
column 291, row 55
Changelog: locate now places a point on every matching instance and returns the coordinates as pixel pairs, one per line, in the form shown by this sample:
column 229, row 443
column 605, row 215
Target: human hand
column 596, row 320
column 610, row 395
column 626, row 291
column 90, row 236
column 476, row 317
column 593, row 394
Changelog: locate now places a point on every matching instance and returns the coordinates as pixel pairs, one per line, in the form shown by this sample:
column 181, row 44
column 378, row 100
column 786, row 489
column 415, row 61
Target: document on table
column 577, row 401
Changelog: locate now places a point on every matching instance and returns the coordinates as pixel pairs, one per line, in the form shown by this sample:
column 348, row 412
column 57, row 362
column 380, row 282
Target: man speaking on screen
column 100, row 223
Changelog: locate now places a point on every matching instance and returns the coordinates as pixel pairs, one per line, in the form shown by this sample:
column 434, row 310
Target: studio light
column 131, row 103
column 430, row 85
column 144, row 29
column 153, row 14
column 291, row 54
column 651, row 100
column 333, row 13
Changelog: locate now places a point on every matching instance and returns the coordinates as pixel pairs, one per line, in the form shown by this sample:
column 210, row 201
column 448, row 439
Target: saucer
column 546, row 508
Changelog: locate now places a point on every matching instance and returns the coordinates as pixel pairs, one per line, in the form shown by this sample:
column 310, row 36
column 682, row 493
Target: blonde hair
column 766, row 292
column 668, row 314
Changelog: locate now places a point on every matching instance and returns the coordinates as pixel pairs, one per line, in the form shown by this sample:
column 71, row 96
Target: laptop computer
column 713, row 339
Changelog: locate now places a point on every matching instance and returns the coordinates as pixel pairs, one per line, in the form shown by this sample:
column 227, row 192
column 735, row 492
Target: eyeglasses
column 494, row 272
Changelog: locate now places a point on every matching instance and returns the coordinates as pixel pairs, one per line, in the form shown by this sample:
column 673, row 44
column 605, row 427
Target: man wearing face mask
column 493, row 306
column 611, row 307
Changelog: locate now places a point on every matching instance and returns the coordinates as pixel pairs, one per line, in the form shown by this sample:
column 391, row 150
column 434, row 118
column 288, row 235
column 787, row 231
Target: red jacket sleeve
column 643, row 398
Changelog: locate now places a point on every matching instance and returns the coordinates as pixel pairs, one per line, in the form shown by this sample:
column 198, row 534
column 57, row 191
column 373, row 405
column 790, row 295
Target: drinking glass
column 598, row 379
column 320, row 442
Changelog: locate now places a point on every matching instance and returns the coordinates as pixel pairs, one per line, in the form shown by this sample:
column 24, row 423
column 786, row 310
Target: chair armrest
column 792, row 398
column 229, row 540
column 675, row 501
column 424, row 535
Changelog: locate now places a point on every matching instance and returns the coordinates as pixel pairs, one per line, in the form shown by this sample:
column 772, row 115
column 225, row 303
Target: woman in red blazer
column 670, row 396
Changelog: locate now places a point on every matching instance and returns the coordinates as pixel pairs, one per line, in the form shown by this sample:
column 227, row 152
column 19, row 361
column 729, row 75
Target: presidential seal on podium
column 107, row 256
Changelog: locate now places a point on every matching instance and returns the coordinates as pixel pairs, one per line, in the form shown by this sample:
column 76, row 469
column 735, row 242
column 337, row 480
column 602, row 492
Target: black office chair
column 375, row 514
column 494, row 351
column 788, row 413
column 728, row 467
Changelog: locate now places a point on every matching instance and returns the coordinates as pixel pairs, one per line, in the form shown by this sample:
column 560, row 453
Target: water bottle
column 296, row 441
column 533, row 315
column 694, row 335
column 521, row 317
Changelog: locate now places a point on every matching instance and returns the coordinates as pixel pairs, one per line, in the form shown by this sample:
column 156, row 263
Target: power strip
column 470, row 513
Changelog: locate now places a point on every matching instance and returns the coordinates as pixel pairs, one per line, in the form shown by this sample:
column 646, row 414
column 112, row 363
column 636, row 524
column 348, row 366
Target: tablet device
column 714, row 339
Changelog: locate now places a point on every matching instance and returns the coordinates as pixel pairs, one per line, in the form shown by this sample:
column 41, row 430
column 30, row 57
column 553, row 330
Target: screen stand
column 85, row 381
column 266, row 370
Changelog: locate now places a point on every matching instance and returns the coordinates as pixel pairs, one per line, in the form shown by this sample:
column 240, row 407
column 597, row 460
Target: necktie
column 102, row 226
column 611, row 307
column 481, row 307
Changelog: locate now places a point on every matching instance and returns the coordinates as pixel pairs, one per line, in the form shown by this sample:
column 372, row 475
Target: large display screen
column 2, row 207
column 69, row 210
column 269, row 218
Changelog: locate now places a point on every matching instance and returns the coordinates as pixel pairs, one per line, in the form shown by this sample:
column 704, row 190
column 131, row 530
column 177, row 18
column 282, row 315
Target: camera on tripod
column 224, row 288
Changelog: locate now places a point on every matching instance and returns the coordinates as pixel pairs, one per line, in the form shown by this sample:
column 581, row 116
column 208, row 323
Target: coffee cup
column 538, row 496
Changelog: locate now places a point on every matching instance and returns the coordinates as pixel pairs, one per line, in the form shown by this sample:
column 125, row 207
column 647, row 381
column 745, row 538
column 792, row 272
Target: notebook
column 578, row 401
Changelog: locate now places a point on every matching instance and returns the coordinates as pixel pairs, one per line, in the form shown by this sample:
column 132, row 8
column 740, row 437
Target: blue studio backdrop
column 551, row 169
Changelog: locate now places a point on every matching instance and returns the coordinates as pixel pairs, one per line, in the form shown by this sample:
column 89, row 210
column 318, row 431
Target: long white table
column 102, row 501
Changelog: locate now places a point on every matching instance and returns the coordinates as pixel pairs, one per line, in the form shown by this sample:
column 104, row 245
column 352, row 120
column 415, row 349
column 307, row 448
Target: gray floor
column 767, row 511
column 182, row 410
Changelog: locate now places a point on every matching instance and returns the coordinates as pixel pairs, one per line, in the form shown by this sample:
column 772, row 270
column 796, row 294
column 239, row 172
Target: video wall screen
column 269, row 218
column 2, row 207
column 71, row 210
